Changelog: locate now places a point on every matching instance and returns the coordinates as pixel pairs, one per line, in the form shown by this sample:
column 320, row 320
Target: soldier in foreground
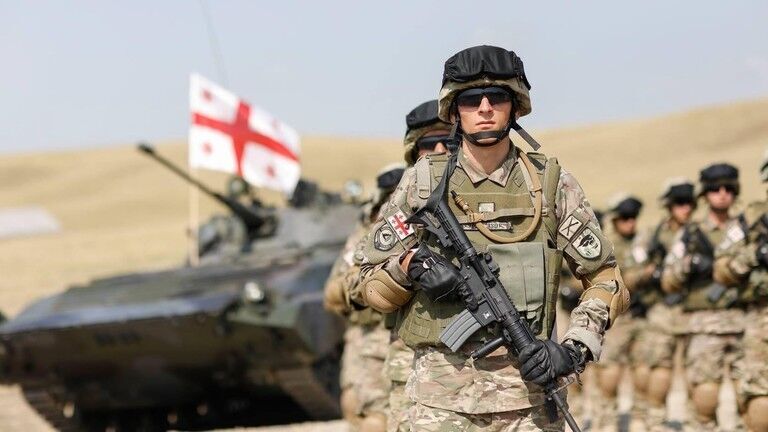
column 653, row 351
column 425, row 134
column 526, row 212
column 744, row 263
column 623, row 212
column 364, row 396
column 713, row 318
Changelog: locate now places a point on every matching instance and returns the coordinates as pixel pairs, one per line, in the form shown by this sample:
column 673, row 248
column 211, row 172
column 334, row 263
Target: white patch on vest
column 491, row 225
column 398, row 224
column 384, row 239
column 677, row 250
column 486, row 207
column 570, row 227
column 639, row 254
column 735, row 234
column 587, row 244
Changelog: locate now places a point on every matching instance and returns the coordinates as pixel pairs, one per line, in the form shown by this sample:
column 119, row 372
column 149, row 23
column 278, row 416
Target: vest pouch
column 524, row 277
column 707, row 295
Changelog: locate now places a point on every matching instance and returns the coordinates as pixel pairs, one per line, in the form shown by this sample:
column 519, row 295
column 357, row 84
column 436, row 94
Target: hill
column 122, row 212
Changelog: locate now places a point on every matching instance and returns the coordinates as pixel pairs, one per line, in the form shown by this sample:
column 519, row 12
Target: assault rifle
column 703, row 256
column 481, row 290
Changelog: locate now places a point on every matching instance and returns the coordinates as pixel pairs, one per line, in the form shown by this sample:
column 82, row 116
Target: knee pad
column 756, row 415
column 659, row 383
column 704, row 399
column 608, row 380
column 640, row 376
column 375, row 422
column 349, row 405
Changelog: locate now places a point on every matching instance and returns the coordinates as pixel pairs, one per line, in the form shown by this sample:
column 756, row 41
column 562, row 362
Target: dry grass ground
column 122, row 212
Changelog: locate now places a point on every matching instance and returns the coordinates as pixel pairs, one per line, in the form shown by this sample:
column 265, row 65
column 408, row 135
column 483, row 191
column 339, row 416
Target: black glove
column 434, row 274
column 542, row 362
column 761, row 253
column 701, row 266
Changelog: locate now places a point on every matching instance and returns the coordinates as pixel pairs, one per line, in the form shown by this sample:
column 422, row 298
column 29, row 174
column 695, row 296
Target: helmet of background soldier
column 764, row 168
column 677, row 190
column 387, row 180
column 717, row 175
column 624, row 206
column 483, row 66
column 237, row 187
column 420, row 121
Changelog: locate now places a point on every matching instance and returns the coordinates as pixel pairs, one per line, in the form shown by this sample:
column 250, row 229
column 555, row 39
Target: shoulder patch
column 399, row 226
column 570, row 226
column 588, row 245
column 384, row 239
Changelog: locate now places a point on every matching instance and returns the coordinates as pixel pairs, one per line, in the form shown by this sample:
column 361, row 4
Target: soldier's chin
column 487, row 142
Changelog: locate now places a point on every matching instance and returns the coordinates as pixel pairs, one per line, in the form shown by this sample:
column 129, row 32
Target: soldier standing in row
column 654, row 347
column 713, row 319
column 425, row 134
column 525, row 211
column 364, row 397
column 623, row 212
column 744, row 263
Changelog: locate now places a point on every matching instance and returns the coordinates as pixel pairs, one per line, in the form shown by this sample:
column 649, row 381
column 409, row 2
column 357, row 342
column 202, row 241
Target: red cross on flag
column 228, row 134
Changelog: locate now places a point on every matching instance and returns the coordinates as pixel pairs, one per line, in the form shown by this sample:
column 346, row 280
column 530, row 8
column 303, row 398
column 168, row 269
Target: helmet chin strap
column 497, row 135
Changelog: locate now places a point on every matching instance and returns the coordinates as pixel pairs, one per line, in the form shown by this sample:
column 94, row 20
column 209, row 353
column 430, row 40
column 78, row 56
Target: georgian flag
column 227, row 134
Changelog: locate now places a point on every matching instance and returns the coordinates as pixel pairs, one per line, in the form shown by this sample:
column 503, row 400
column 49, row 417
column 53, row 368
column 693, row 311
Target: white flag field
column 228, row 134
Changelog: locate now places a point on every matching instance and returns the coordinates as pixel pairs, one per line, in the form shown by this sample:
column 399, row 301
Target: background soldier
column 502, row 193
column 623, row 212
column 745, row 263
column 364, row 397
column 713, row 320
column 425, row 134
column 654, row 347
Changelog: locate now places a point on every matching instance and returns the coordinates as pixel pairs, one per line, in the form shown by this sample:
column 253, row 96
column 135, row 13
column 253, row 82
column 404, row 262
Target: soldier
column 713, row 320
column 364, row 397
column 425, row 134
column 623, row 212
column 653, row 351
column 525, row 211
column 744, row 263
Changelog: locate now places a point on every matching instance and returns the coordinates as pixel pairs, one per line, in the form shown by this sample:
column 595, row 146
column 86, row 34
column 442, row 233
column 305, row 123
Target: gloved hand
column 761, row 253
column 701, row 266
column 543, row 362
column 433, row 273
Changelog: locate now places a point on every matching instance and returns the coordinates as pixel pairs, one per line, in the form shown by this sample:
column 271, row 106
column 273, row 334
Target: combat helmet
column 623, row 205
column 386, row 182
column 486, row 66
column 718, row 175
column 420, row 121
column 677, row 190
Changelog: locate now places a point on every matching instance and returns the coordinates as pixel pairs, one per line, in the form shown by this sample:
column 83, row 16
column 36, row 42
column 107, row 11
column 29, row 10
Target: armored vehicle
column 241, row 339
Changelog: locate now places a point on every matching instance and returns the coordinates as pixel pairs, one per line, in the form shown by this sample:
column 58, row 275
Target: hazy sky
column 85, row 73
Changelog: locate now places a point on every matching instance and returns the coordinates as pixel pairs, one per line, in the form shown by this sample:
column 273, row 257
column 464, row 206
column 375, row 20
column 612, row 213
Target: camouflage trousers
column 363, row 366
column 398, row 366
column 753, row 378
column 656, row 340
column 715, row 340
column 428, row 419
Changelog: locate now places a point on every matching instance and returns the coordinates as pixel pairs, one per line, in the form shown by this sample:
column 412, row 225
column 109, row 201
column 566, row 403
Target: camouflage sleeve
column 677, row 266
column 590, row 256
column 343, row 276
column 389, row 237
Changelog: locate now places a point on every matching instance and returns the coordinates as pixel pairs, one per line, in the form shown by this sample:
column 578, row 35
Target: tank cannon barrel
column 250, row 218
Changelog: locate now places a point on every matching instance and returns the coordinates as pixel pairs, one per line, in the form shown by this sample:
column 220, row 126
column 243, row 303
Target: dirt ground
column 121, row 212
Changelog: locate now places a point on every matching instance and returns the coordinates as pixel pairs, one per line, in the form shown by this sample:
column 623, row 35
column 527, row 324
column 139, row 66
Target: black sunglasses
column 429, row 143
column 472, row 98
column 682, row 201
column 716, row 187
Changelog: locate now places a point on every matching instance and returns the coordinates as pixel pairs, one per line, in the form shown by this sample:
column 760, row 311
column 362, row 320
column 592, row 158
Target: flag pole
column 194, row 218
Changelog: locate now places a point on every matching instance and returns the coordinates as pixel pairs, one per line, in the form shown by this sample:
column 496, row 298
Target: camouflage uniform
column 397, row 368
column 450, row 391
column 713, row 326
column 737, row 263
column 366, row 338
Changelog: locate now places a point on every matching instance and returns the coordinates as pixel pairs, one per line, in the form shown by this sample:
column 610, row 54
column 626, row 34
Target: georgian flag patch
column 398, row 224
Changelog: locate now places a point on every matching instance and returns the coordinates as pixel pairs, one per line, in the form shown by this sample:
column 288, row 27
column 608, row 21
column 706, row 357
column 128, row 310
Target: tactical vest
column 703, row 292
column 659, row 244
column 756, row 290
column 530, row 269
